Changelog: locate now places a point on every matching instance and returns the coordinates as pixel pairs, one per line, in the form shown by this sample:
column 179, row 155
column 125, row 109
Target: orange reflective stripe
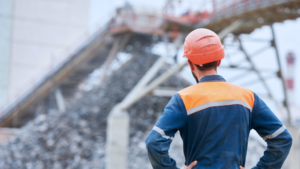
column 207, row 92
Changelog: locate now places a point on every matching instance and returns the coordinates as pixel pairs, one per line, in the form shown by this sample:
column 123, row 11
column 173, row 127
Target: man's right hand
column 190, row 166
column 195, row 163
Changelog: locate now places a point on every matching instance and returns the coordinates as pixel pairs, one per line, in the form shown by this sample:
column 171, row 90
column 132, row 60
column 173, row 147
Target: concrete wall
column 6, row 10
column 41, row 30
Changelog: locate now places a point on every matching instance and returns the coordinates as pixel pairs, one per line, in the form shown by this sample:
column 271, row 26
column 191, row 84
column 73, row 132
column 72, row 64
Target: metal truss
column 259, row 72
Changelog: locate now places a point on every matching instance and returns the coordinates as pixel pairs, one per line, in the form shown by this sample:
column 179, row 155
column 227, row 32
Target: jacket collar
column 212, row 78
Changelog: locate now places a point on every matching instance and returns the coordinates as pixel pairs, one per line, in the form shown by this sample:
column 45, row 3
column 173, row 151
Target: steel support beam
column 254, row 68
column 255, row 81
column 256, row 53
column 117, row 139
column 118, row 44
column 165, row 92
column 147, row 89
column 259, row 51
column 238, row 76
column 255, row 40
column 246, row 68
column 127, row 101
column 60, row 101
column 233, row 26
column 285, row 102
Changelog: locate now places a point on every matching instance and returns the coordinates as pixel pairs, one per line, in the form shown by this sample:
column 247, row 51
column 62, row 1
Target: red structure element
column 290, row 84
column 290, row 58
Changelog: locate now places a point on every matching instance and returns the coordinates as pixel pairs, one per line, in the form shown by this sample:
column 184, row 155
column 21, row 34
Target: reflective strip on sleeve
column 161, row 132
column 218, row 103
column 275, row 134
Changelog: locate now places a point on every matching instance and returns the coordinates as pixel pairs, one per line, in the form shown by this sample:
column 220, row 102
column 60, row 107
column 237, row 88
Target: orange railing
column 214, row 10
column 223, row 9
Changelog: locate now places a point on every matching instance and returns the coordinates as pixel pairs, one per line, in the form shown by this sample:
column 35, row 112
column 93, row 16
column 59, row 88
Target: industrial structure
column 131, row 30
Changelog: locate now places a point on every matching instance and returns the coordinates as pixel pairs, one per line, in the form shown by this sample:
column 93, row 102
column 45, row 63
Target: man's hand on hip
column 190, row 166
column 195, row 162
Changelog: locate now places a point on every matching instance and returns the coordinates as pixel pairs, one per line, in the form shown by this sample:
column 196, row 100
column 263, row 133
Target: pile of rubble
column 76, row 138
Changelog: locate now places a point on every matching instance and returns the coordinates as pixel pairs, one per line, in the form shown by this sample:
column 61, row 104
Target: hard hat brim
column 200, row 59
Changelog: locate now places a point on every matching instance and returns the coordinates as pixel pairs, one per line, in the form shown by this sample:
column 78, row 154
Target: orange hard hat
column 203, row 46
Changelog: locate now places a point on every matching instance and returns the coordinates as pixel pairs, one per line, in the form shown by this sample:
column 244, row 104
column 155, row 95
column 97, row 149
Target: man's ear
column 219, row 63
column 192, row 66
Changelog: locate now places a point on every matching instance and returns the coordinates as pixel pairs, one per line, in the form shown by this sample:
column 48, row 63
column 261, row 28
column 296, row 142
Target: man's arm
column 273, row 132
column 159, row 139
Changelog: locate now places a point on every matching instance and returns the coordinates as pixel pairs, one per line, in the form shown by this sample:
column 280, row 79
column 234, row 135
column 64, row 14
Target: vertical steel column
column 285, row 102
column 117, row 139
column 60, row 100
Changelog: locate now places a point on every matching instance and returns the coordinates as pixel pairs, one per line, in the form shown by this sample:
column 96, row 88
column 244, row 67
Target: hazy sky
column 287, row 36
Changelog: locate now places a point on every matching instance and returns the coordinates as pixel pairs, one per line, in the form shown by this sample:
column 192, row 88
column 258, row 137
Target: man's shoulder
column 237, row 87
column 216, row 91
column 188, row 90
column 207, row 86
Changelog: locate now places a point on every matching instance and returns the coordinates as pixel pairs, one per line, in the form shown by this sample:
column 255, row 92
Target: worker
column 214, row 117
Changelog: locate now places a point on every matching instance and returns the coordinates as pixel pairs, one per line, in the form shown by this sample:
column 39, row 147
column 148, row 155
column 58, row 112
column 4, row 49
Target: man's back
column 217, row 129
column 214, row 118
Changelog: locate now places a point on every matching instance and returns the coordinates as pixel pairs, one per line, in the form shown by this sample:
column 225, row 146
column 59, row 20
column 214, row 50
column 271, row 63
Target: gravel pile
column 76, row 138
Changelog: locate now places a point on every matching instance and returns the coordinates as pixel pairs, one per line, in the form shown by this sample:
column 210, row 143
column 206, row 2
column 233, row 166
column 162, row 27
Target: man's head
column 204, row 50
column 200, row 71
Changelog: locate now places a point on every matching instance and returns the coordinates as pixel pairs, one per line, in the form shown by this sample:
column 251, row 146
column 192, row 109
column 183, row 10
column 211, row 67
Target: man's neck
column 201, row 74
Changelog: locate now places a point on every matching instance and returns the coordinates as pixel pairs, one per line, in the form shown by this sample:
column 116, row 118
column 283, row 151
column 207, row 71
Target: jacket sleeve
column 278, row 139
column 159, row 139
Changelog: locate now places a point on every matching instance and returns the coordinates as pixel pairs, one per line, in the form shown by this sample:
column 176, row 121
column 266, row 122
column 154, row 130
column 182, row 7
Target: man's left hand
column 190, row 166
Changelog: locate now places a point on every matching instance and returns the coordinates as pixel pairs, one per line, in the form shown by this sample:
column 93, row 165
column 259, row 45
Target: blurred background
column 82, row 82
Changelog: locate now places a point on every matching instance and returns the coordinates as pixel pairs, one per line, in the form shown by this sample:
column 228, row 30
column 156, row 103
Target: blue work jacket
column 214, row 119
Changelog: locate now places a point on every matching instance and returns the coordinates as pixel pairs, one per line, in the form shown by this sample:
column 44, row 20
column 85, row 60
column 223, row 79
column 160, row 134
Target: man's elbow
column 286, row 142
column 150, row 142
column 289, row 140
